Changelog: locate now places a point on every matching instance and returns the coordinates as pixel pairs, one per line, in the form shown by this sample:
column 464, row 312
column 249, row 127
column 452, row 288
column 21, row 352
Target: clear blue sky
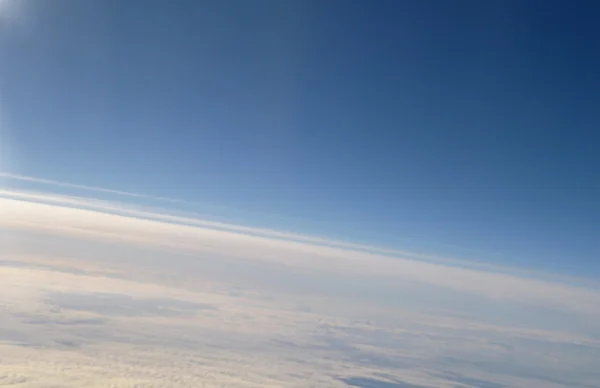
column 422, row 124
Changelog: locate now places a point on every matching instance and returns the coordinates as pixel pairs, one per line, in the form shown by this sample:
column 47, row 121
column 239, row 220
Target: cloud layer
column 113, row 294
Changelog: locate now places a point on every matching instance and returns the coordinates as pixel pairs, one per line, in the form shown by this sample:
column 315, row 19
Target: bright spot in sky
column 4, row 5
column 9, row 10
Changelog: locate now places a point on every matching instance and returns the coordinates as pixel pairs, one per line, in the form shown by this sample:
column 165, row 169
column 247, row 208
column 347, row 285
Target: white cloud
column 283, row 310
column 183, row 234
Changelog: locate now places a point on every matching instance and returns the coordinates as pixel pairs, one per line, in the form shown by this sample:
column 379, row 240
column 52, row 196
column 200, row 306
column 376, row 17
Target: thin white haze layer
column 167, row 200
column 114, row 294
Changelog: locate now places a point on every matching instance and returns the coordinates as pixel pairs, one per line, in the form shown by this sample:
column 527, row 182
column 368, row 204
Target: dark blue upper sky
column 416, row 124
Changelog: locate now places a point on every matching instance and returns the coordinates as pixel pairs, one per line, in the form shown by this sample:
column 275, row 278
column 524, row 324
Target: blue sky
column 464, row 128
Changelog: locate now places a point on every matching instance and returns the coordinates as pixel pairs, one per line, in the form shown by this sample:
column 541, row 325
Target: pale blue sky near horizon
column 459, row 128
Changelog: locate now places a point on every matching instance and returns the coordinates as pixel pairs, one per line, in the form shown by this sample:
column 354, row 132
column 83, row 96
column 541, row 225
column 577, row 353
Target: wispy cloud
column 143, row 212
column 88, row 188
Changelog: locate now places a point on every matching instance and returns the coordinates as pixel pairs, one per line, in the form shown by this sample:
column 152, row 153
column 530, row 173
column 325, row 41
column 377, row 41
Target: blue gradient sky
column 465, row 128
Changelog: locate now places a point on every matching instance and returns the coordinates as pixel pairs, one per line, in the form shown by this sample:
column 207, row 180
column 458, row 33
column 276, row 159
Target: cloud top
column 116, row 294
column 104, row 221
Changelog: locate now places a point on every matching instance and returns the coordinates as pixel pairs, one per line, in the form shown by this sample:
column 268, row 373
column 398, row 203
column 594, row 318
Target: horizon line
column 191, row 219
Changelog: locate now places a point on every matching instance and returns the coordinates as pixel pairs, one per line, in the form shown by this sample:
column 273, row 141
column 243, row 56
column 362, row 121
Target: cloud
column 243, row 342
column 177, row 234
column 50, row 182
column 135, row 211
column 112, row 294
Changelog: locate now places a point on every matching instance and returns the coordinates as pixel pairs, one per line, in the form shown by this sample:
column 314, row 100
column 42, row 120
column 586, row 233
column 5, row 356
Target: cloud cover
column 229, row 305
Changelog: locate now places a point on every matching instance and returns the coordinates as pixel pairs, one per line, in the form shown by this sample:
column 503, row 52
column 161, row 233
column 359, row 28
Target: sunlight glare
column 10, row 11
column 5, row 5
